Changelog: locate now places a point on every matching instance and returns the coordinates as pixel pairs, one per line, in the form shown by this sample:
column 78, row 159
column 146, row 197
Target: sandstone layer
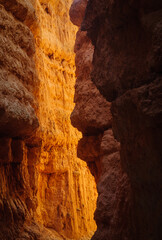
column 43, row 185
column 64, row 201
column 126, row 68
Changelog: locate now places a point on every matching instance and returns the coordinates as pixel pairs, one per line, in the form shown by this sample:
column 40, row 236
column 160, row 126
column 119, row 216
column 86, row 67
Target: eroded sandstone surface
column 126, row 68
column 46, row 192
column 98, row 147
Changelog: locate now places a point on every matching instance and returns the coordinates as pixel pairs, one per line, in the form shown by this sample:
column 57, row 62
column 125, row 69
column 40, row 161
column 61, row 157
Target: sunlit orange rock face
column 46, row 191
column 62, row 182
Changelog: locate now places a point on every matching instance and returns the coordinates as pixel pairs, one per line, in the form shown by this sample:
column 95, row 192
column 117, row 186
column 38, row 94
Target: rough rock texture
column 98, row 147
column 113, row 193
column 17, row 121
column 127, row 64
column 17, row 73
column 43, row 185
column 91, row 114
column 94, row 117
column 64, row 201
column 77, row 11
column 124, row 32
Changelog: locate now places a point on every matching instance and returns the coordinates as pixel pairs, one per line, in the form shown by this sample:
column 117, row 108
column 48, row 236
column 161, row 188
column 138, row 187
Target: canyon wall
column 65, row 203
column 125, row 66
column 46, row 191
column 92, row 116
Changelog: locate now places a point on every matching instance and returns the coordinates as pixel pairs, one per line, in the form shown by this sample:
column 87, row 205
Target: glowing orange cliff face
column 55, row 188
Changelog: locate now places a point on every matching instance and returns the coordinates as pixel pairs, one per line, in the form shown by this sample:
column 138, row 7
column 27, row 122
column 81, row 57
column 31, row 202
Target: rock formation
column 126, row 68
column 98, row 147
column 43, row 185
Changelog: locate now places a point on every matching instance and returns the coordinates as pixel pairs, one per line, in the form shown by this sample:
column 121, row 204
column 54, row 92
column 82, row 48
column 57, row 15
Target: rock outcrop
column 62, row 177
column 18, row 121
column 91, row 114
column 126, row 68
column 98, row 147
column 43, row 185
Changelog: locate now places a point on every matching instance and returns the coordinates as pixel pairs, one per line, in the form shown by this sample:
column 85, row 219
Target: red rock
column 98, row 147
column 126, row 68
column 77, row 11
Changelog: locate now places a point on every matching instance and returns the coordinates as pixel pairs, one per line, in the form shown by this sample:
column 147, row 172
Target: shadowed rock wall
column 98, row 147
column 126, row 68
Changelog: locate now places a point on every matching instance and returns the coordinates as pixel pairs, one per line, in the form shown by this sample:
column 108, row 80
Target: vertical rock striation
column 127, row 61
column 17, row 117
column 43, row 185
column 64, row 201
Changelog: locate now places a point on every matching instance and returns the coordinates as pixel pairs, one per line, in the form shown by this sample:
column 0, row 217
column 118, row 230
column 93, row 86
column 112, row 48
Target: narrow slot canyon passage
column 80, row 119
